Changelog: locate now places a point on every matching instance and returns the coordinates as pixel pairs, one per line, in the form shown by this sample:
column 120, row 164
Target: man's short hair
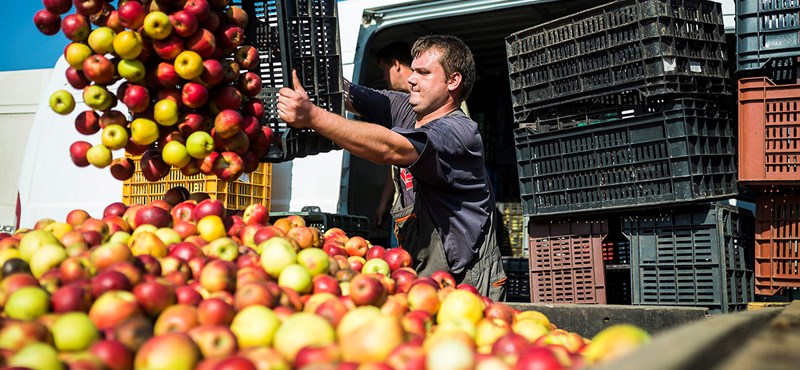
column 456, row 57
column 397, row 50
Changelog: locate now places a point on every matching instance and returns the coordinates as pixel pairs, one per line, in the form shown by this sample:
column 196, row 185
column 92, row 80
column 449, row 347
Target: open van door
column 483, row 25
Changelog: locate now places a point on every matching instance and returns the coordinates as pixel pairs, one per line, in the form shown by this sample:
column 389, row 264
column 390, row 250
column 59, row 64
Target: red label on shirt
column 407, row 177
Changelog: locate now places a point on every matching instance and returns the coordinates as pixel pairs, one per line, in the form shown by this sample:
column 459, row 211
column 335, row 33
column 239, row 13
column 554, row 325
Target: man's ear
column 397, row 65
column 454, row 82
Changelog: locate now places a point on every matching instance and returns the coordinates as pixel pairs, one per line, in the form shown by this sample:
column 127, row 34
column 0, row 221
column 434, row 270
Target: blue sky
column 23, row 46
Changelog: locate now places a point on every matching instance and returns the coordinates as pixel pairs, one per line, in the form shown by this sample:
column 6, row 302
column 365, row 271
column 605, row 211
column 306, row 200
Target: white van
column 337, row 182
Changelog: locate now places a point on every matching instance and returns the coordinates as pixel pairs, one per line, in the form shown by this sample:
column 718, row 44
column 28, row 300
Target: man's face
column 392, row 75
column 428, row 82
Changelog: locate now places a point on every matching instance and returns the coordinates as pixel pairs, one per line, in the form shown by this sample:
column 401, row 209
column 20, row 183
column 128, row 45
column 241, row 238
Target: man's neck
column 438, row 113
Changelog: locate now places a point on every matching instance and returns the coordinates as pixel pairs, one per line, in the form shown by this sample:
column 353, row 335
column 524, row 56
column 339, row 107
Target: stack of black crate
column 767, row 51
column 626, row 157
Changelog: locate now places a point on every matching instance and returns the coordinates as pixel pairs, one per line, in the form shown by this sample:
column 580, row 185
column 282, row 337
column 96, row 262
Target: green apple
column 276, row 254
column 47, row 257
column 74, row 331
column 144, row 131
column 27, row 303
column 101, row 40
column 165, row 112
column 132, row 70
column 188, row 65
column 315, row 260
column 223, row 248
column 37, row 356
column 75, row 53
column 128, row 44
column 146, row 228
column 99, row 156
column 114, row 137
column 157, row 25
column 199, row 144
column 300, row 330
column 97, row 97
column 119, row 237
column 255, row 326
column 168, row 236
column 376, row 266
column 175, row 154
column 295, row 277
column 62, row 102
column 32, row 241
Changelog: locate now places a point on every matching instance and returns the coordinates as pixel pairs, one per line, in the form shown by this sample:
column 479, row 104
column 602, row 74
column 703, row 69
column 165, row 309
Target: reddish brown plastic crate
column 566, row 261
column 769, row 132
column 777, row 253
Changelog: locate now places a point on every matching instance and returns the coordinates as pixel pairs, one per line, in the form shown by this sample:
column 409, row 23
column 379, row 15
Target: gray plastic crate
column 652, row 47
column 767, row 36
column 685, row 152
column 692, row 256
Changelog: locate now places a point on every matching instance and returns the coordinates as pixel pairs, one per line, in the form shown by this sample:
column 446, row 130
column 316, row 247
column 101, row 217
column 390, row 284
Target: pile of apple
column 185, row 78
column 194, row 286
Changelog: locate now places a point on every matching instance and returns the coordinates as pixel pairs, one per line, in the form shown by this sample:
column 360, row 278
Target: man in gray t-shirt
column 445, row 214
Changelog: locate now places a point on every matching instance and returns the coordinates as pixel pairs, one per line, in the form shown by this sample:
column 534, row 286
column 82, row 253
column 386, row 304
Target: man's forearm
column 372, row 142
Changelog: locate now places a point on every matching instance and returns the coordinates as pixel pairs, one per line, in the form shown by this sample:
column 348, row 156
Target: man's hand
column 294, row 106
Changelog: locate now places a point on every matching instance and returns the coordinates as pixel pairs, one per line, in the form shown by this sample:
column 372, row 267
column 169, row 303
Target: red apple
column 169, row 47
column 47, row 22
column 194, row 95
column 230, row 36
column 184, row 23
column 113, row 354
column 76, row 78
column 215, row 311
column 376, row 251
column 112, row 308
column 229, row 166
column 57, row 6
column 135, row 97
column 397, row 258
column 109, row 280
column 154, row 297
column 356, row 246
column 72, row 297
column 76, row 27
column 444, row 279
column 199, row 8
column 250, row 84
column 132, row 332
column 215, row 341
column 326, row 283
column 122, row 168
column 98, row 69
column 131, row 14
column 188, row 295
column 202, row 42
column 151, row 215
column 208, row 207
column 88, row 7
column 367, row 290
column 87, row 122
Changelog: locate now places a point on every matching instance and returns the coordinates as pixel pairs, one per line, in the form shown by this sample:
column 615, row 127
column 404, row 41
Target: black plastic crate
column 352, row 225
column 299, row 35
column 767, row 31
column 518, row 288
column 652, row 47
column 686, row 152
column 698, row 256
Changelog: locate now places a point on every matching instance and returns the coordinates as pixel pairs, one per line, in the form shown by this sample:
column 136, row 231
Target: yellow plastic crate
column 250, row 188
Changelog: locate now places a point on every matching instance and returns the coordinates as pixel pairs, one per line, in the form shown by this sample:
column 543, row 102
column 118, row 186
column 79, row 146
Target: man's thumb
column 296, row 81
